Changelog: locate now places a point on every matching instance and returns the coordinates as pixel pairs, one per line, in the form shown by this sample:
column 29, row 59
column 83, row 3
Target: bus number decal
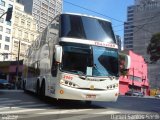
column 67, row 77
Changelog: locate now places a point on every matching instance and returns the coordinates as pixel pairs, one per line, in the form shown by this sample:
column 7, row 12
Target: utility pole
column 17, row 70
column 133, row 81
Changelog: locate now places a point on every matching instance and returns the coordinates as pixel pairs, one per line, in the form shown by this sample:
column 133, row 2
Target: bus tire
column 37, row 88
column 42, row 90
column 24, row 85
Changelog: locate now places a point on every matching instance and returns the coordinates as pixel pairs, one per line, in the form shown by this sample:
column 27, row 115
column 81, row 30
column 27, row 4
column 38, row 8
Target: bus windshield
column 87, row 28
column 90, row 61
column 105, row 61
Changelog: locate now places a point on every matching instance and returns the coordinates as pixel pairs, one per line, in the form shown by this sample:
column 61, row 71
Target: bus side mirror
column 125, row 61
column 58, row 53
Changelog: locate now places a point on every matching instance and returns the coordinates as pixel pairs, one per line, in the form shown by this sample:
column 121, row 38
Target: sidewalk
column 148, row 97
column 138, row 96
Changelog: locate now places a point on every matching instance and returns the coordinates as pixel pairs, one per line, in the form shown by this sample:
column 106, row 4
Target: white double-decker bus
column 76, row 57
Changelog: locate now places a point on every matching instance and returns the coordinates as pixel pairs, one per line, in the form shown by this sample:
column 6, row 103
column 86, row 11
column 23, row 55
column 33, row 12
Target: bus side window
column 54, row 67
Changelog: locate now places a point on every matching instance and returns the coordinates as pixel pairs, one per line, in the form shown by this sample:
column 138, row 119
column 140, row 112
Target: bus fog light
column 70, row 83
column 66, row 82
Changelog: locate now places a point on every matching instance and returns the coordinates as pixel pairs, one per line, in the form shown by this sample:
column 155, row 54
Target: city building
column 128, row 29
column 24, row 31
column 119, row 42
column 42, row 10
column 145, row 20
column 5, row 31
column 137, row 76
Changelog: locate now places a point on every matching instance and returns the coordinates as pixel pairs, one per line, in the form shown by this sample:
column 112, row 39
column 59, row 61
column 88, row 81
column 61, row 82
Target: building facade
column 24, row 31
column 145, row 20
column 119, row 42
column 128, row 29
column 5, row 31
column 137, row 76
column 42, row 10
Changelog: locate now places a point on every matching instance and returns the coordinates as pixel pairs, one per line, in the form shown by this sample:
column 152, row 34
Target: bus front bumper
column 64, row 92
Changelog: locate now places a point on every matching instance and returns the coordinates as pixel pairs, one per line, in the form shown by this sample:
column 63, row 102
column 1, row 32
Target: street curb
column 151, row 97
column 11, row 91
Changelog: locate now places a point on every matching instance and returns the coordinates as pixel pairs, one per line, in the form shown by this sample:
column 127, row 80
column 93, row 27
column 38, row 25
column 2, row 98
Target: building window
column 25, row 35
column 6, row 56
column 8, row 30
column 19, row 33
column 7, row 39
column 17, row 20
column 6, row 47
column 1, row 28
column 28, row 24
column 22, row 22
column 1, row 20
column 0, row 37
column 2, row 3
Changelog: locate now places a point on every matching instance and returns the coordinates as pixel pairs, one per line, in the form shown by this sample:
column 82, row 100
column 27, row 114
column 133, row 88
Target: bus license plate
column 91, row 96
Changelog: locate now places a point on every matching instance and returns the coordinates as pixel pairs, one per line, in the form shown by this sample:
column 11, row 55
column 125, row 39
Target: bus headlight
column 68, row 83
column 113, row 86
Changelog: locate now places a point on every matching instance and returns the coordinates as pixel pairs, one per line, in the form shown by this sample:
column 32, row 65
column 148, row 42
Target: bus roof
column 79, row 14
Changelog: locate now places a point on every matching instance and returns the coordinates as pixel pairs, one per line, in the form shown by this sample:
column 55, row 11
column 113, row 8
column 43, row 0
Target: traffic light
column 9, row 14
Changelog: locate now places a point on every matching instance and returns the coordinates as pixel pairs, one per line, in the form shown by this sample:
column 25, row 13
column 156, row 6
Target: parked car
column 157, row 96
column 4, row 84
column 129, row 93
column 137, row 93
column 134, row 93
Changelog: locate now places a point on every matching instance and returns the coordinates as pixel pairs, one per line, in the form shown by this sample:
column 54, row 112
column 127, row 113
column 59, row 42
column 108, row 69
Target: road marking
column 20, row 111
column 27, row 103
column 1, row 99
column 57, row 111
column 90, row 115
column 63, row 111
column 10, row 101
column 23, row 106
column 6, row 105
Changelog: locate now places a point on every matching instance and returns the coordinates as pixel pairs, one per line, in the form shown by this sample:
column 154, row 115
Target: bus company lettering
column 67, row 77
column 105, row 44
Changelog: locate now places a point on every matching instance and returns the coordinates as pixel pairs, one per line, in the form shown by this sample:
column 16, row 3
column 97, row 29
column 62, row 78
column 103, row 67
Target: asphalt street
column 16, row 104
